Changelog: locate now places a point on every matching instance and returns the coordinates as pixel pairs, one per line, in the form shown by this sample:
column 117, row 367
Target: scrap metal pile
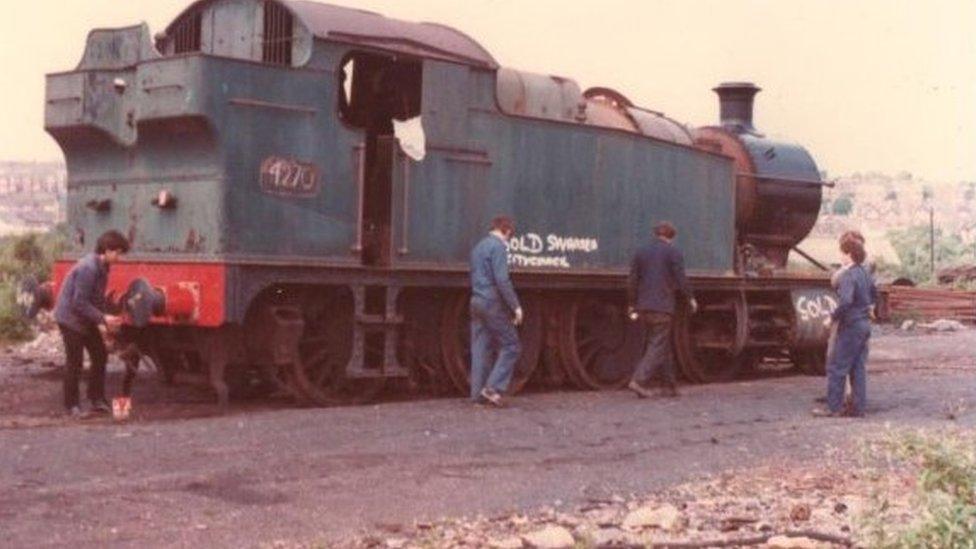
column 907, row 302
column 961, row 273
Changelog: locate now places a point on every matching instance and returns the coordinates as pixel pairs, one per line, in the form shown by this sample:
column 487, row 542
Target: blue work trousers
column 848, row 358
column 495, row 346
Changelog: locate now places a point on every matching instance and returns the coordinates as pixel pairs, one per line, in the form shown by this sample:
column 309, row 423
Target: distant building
column 32, row 196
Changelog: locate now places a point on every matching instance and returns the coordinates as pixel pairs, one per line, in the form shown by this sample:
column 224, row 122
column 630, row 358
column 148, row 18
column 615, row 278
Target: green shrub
column 13, row 326
column 31, row 254
column 945, row 502
column 913, row 246
column 20, row 257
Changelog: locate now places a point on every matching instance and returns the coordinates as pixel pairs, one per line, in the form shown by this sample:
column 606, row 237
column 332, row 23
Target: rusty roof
column 370, row 29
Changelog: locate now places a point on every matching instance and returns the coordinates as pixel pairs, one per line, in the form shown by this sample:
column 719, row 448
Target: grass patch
column 943, row 506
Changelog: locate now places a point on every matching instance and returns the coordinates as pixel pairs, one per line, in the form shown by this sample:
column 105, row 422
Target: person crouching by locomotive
column 495, row 312
column 657, row 275
column 80, row 316
column 856, row 291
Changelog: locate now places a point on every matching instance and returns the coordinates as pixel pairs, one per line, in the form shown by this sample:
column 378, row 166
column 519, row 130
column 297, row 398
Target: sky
column 865, row 85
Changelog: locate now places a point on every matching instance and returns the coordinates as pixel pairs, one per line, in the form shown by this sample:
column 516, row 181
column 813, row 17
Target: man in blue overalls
column 495, row 312
column 848, row 356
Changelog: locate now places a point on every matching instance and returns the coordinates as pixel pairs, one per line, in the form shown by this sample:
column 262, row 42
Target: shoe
column 75, row 412
column 823, row 412
column 637, row 388
column 492, row 397
column 100, row 407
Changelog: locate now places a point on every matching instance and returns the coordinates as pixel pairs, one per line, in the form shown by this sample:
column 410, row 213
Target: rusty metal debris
column 961, row 273
column 927, row 304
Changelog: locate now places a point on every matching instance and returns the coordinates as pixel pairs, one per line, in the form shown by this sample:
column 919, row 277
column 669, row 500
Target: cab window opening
column 279, row 27
column 188, row 35
column 374, row 90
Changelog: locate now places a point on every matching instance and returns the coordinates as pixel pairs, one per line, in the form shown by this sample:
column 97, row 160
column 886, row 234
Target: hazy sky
column 865, row 84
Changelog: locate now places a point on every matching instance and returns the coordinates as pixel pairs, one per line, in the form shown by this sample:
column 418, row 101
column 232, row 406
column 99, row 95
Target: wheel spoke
column 600, row 352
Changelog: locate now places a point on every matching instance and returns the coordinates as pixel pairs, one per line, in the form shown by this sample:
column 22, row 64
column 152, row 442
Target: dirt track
column 265, row 473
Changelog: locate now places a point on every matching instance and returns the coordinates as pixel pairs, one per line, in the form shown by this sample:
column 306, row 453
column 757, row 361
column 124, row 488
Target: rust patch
column 193, row 243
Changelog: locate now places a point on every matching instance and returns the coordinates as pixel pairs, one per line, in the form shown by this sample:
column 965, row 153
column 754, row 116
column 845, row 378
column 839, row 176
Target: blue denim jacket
column 857, row 293
column 82, row 297
column 489, row 273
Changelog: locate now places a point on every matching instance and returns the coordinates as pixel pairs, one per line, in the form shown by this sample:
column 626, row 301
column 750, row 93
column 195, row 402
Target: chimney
column 735, row 104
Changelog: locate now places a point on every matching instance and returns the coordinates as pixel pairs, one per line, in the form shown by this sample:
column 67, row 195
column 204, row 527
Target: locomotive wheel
column 426, row 361
column 812, row 362
column 706, row 348
column 456, row 342
column 325, row 350
column 598, row 345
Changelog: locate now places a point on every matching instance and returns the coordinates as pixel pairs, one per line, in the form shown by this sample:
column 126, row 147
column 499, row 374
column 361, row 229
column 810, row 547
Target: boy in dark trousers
column 657, row 278
column 81, row 318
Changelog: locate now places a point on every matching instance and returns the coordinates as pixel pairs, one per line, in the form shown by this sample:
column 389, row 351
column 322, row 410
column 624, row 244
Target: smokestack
column 735, row 104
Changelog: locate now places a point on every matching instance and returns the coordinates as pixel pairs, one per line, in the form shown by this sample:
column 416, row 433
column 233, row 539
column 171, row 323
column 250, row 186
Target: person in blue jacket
column 80, row 314
column 495, row 312
column 848, row 357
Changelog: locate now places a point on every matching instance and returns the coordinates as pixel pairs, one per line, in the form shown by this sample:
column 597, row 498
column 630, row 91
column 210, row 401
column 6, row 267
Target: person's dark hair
column 665, row 229
column 853, row 248
column 855, row 235
column 112, row 240
column 503, row 223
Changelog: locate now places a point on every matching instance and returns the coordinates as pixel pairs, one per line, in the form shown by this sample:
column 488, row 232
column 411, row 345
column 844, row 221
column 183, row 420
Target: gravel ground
column 401, row 473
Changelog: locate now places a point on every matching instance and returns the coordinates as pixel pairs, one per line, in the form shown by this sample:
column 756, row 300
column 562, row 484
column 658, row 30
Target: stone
column 800, row 512
column 396, row 543
column 603, row 517
column 943, row 325
column 666, row 517
column 513, row 542
column 907, row 325
column 567, row 520
column 550, row 537
column 518, row 520
column 787, row 542
column 609, row 537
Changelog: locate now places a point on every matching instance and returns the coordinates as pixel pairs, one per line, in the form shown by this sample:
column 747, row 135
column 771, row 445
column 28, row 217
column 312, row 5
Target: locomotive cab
column 376, row 90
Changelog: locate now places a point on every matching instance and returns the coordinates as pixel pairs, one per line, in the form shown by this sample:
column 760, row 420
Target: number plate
column 289, row 177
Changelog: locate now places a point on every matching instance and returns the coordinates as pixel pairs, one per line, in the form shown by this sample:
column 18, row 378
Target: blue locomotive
column 302, row 184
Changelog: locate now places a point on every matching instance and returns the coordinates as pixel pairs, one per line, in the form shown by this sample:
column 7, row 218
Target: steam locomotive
column 279, row 231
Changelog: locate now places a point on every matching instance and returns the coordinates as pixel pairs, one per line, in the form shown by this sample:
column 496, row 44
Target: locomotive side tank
column 281, row 234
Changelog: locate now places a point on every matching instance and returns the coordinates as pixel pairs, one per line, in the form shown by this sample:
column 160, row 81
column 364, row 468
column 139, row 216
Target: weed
column 945, row 500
